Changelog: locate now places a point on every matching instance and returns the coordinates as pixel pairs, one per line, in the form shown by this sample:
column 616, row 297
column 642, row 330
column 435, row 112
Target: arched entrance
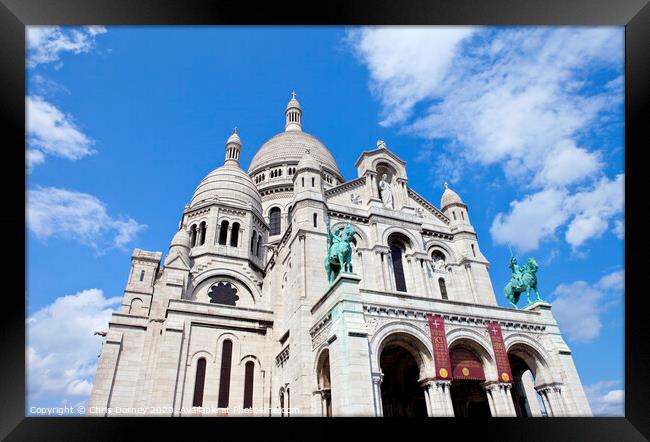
column 401, row 393
column 528, row 403
column 467, row 393
column 324, row 383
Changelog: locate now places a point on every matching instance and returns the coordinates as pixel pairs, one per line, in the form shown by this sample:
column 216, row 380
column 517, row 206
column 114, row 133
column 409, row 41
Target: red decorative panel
column 500, row 353
column 466, row 365
column 440, row 350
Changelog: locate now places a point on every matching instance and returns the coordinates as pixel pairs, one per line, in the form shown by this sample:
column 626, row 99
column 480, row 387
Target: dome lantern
column 293, row 115
column 233, row 149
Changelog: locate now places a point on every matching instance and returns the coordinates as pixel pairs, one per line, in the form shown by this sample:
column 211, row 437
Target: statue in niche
column 223, row 293
column 438, row 261
column 386, row 192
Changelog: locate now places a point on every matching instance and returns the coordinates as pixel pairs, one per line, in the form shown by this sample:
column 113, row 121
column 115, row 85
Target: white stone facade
column 240, row 319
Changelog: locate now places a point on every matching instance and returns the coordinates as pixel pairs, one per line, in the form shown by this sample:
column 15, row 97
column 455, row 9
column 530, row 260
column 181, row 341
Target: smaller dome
column 182, row 239
column 449, row 197
column 307, row 161
column 231, row 185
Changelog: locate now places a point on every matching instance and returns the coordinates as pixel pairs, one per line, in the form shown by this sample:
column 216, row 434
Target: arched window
column 202, row 233
column 315, row 220
column 193, row 235
column 249, row 372
column 313, row 182
column 275, row 222
column 443, row 288
column 253, row 237
column 223, row 232
column 289, row 215
column 259, row 242
column 224, row 383
column 142, row 276
column 462, row 214
column 303, row 181
column 234, row 235
column 473, row 250
column 199, row 383
column 398, row 269
column 454, row 213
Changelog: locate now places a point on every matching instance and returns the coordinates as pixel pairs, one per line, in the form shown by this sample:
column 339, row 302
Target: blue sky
column 526, row 124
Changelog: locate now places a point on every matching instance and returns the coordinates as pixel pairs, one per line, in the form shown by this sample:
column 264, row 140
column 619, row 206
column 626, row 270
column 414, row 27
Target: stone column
column 228, row 234
column 470, row 279
column 381, row 283
column 507, row 388
column 489, row 391
column 425, row 279
column 377, row 379
column 387, row 273
column 547, row 404
column 531, row 395
column 553, row 400
column 439, row 398
column 502, row 404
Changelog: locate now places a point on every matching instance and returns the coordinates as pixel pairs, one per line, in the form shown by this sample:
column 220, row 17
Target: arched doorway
column 528, row 403
column 324, row 383
column 401, row 393
column 467, row 393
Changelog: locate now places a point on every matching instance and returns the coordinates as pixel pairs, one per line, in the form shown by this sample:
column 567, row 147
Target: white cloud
column 62, row 349
column 586, row 214
column 45, row 44
column 530, row 220
column 593, row 209
column 605, row 399
column 520, row 98
column 60, row 213
column 577, row 306
column 51, row 132
column 407, row 64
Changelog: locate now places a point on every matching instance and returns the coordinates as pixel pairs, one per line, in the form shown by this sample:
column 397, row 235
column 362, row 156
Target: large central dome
column 288, row 147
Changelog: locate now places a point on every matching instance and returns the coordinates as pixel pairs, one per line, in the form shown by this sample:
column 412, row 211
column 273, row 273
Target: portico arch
column 404, row 361
column 472, row 366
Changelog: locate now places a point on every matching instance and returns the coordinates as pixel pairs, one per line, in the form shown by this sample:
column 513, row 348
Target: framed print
column 370, row 210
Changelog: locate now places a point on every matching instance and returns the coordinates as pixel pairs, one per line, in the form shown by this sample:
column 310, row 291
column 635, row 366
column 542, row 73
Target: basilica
column 241, row 318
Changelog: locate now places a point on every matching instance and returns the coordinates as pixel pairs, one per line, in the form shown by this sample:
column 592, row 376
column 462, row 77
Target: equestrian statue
column 339, row 251
column 523, row 280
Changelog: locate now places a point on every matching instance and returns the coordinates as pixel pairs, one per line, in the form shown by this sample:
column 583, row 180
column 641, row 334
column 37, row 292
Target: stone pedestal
column 352, row 385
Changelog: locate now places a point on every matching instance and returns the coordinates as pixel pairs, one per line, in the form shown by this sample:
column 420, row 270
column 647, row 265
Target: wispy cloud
column 520, row 98
column 578, row 306
column 607, row 398
column 62, row 349
column 61, row 213
column 52, row 132
column 45, row 44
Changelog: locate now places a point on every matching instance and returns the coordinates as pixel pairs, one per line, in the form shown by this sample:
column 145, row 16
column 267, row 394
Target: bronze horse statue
column 523, row 280
column 339, row 251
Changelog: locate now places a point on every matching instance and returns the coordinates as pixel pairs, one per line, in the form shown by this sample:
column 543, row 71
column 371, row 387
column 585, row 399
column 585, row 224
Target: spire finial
column 380, row 144
column 293, row 94
column 235, row 131
column 446, row 185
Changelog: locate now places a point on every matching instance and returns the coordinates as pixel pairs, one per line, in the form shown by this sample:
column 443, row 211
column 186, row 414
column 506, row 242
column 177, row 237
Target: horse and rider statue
column 524, row 278
column 339, row 251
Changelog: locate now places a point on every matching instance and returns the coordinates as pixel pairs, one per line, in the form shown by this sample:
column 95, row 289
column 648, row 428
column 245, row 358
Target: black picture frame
column 16, row 14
